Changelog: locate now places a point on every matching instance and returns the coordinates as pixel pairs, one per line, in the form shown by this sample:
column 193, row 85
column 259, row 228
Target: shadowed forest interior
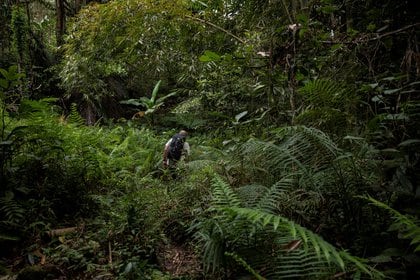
column 303, row 127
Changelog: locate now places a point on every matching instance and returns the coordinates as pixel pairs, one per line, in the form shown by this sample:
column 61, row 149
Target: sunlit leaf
column 240, row 115
column 409, row 142
column 209, row 56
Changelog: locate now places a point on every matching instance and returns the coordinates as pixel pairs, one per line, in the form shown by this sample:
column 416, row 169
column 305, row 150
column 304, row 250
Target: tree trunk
column 61, row 21
column 76, row 6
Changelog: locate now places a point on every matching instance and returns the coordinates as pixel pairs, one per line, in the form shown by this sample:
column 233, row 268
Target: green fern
column 217, row 233
column 407, row 226
column 74, row 116
column 296, row 149
column 329, row 105
column 270, row 200
column 325, row 93
column 242, row 262
column 285, row 248
column 223, row 195
column 12, row 212
column 306, row 140
column 251, row 194
column 313, row 242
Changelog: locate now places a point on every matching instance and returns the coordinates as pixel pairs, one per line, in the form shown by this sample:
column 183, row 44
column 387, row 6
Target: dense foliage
column 303, row 118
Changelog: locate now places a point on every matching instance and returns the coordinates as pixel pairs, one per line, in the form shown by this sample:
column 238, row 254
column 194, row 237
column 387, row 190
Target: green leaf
column 5, row 237
column 336, row 47
column 409, row 142
column 134, row 102
column 240, row 115
column 4, row 73
column 350, row 137
column 391, row 91
column 391, row 78
column 128, row 268
column 266, row 220
column 4, row 83
column 155, row 91
column 276, row 222
column 381, row 259
column 161, row 99
column 414, row 83
column 209, row 56
column 329, row 9
column 416, row 239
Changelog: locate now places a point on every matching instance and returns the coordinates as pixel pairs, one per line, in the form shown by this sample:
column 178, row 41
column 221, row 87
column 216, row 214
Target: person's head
column 183, row 133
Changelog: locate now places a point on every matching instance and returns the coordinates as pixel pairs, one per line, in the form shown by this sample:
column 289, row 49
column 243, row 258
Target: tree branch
column 378, row 36
column 217, row 27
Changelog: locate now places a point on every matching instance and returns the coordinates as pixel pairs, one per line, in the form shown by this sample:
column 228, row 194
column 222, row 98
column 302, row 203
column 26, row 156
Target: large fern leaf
column 407, row 226
column 325, row 93
column 223, row 195
column 269, row 201
column 297, row 149
column 329, row 104
column 312, row 242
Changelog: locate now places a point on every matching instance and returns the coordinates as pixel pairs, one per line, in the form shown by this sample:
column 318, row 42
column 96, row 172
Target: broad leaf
column 155, row 91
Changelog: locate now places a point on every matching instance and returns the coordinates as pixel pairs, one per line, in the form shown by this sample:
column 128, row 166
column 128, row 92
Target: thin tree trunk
column 61, row 21
column 77, row 6
column 349, row 18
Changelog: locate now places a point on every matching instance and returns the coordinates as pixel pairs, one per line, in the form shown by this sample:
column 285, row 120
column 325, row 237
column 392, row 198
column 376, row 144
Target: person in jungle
column 176, row 149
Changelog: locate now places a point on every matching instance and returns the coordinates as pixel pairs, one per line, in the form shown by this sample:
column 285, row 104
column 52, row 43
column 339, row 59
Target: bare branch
column 365, row 38
column 217, row 27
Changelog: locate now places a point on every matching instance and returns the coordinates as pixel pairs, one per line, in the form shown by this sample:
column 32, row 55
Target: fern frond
column 301, row 149
column 273, row 158
column 271, row 198
column 331, row 104
column 201, row 164
column 325, row 93
column 223, row 195
column 324, row 250
column 330, row 119
column 12, row 211
column 243, row 263
column 299, row 264
column 188, row 106
column 251, row 194
column 407, row 226
column 308, row 139
column 74, row 116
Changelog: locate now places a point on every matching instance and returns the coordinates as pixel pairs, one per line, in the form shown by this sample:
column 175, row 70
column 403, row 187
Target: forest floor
column 179, row 260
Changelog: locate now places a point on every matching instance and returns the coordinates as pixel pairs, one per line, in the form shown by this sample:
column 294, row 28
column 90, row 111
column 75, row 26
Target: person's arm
column 165, row 153
column 165, row 156
column 187, row 149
